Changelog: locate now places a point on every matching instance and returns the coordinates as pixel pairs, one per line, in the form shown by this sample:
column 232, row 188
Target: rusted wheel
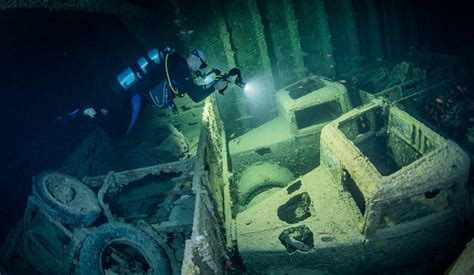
column 65, row 198
column 260, row 180
column 122, row 248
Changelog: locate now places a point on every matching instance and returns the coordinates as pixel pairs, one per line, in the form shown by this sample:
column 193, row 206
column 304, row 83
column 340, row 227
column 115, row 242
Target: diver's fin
column 136, row 99
column 64, row 119
column 74, row 113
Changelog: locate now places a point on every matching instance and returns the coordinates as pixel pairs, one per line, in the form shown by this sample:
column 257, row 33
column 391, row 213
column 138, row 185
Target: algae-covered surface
column 326, row 210
column 271, row 133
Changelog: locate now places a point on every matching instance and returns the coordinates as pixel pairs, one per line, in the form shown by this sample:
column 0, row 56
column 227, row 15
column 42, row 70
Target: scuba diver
column 161, row 75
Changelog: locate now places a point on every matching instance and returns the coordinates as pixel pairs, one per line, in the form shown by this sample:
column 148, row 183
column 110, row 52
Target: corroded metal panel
column 284, row 42
column 313, row 25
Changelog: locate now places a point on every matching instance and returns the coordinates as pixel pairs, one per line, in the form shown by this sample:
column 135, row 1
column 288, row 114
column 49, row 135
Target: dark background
column 53, row 63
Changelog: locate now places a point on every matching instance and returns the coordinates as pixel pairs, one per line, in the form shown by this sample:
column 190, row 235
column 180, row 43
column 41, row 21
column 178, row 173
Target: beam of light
column 247, row 88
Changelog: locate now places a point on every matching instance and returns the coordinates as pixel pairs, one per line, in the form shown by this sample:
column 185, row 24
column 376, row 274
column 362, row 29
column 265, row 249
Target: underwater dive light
column 232, row 72
column 238, row 81
column 216, row 74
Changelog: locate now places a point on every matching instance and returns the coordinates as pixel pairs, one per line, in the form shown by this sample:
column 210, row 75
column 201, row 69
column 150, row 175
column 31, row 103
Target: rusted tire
column 91, row 254
column 65, row 198
column 260, row 178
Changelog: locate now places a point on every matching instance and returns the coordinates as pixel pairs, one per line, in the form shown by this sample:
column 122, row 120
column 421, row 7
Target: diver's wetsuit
column 151, row 81
column 180, row 76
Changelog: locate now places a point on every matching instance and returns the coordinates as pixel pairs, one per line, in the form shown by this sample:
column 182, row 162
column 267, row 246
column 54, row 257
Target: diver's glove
column 221, row 85
column 90, row 112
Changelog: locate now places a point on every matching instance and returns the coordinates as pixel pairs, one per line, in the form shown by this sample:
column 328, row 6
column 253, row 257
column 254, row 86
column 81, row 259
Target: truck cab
column 387, row 188
column 287, row 145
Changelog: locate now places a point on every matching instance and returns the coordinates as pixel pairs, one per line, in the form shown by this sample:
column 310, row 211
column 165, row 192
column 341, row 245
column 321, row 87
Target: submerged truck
column 387, row 190
column 266, row 158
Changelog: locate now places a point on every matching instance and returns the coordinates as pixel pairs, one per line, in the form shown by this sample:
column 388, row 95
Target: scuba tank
column 131, row 75
column 134, row 73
